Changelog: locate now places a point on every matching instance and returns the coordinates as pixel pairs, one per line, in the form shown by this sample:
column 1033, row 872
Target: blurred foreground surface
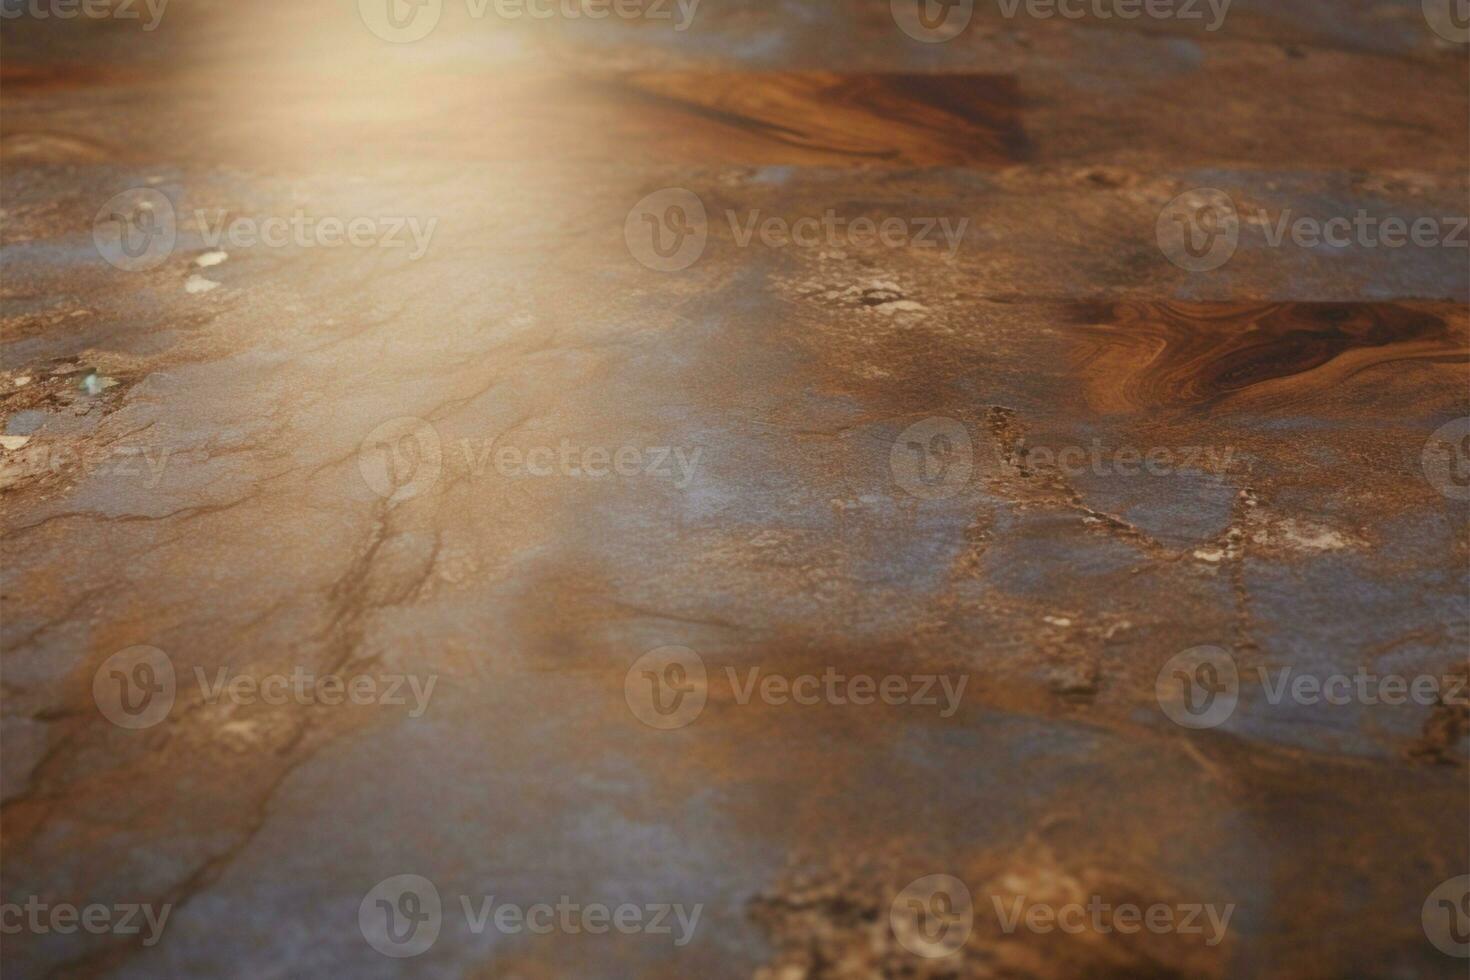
column 206, row 456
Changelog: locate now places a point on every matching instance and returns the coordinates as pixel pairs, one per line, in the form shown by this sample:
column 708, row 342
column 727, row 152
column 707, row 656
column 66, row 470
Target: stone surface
column 247, row 500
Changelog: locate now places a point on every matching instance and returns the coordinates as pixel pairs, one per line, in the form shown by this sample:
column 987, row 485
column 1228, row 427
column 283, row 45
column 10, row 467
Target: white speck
column 1058, row 620
column 22, row 381
column 95, row 384
column 199, row 284
column 1313, row 538
column 1209, row 554
column 211, row 258
column 12, row 443
column 900, row 306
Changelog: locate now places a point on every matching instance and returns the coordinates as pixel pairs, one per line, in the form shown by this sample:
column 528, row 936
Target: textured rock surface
column 203, row 474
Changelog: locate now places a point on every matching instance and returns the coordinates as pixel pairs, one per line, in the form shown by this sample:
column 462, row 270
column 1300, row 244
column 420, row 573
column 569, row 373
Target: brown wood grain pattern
column 1146, row 356
column 823, row 116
